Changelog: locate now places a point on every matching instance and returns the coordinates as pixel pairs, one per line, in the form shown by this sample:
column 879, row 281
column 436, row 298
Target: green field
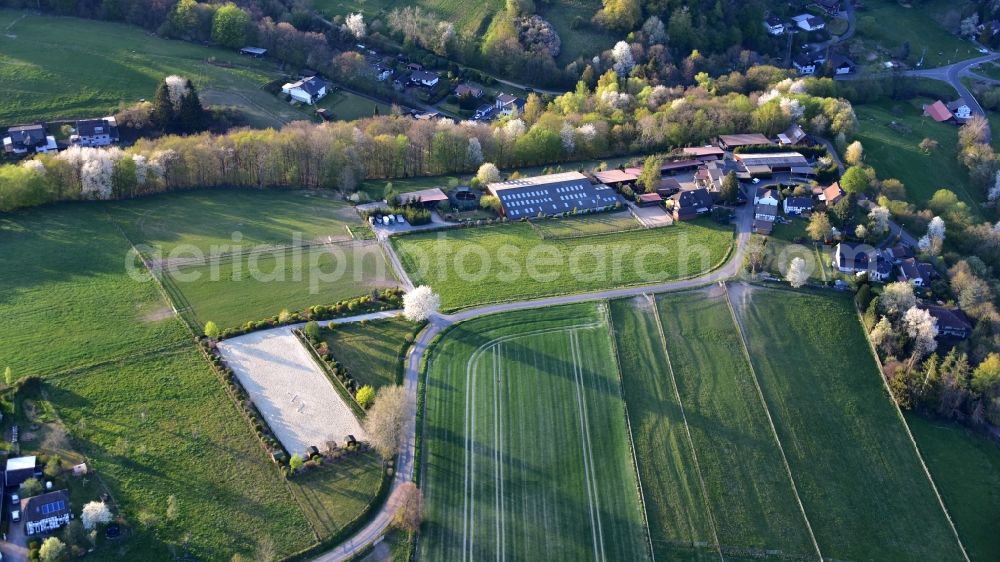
column 65, row 297
column 511, row 262
column 56, row 67
column 348, row 106
column 370, row 351
column 203, row 219
column 585, row 41
column 857, row 473
column 468, row 18
column 585, row 225
column 259, row 285
column 966, row 468
column 894, row 152
column 525, row 449
column 334, row 496
column 161, row 425
column 918, row 26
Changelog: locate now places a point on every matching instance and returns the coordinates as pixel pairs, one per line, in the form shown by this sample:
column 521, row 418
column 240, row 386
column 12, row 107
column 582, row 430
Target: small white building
column 809, row 22
column 774, row 26
column 424, row 78
column 307, row 90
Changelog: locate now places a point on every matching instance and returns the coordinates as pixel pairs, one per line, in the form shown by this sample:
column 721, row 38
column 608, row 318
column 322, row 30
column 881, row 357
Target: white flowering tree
column 94, row 514
column 896, row 298
column 881, row 334
column 474, row 152
column 567, row 134
column 797, row 273
column 878, row 219
column 355, row 24
column 622, row 55
column 922, row 329
column 934, row 239
column 420, row 304
column 488, row 173
column 176, row 87
column 994, row 192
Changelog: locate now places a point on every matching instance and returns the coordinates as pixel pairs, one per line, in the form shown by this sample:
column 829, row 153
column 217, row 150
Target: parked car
column 15, row 499
column 15, row 515
column 984, row 50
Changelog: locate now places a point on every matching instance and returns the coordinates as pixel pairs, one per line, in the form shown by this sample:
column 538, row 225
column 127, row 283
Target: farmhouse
column 917, row 273
column 689, row 204
column 307, row 90
column 551, row 194
column 729, row 142
column 253, row 52
column 46, row 513
column 23, row 139
column 424, row 78
column 809, row 22
column 775, row 162
column 797, row 205
column 704, row 153
column 774, row 26
column 952, row 323
column 939, row 112
column 763, row 217
column 18, row 470
column 861, row 258
column 793, row 135
column 96, row 132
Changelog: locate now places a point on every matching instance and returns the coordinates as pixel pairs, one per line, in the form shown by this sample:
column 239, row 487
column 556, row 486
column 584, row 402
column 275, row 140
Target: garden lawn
column 750, row 496
column 180, row 222
column 336, row 495
column 920, row 26
column 65, row 297
column 584, row 225
column 160, row 425
column 370, row 351
column 259, row 285
column 857, row 473
column 675, row 502
column 511, row 261
column 966, row 468
column 60, row 67
column 348, row 106
column 525, row 446
column 895, row 154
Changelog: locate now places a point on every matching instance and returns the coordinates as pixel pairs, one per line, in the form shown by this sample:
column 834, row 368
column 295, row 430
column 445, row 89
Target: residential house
column 939, row 112
column 792, row 136
column 729, row 142
column 689, row 204
column 20, row 469
column 307, row 90
column 917, row 273
column 856, row 258
column 831, row 7
column 383, row 73
column 809, row 22
column 468, row 90
column 552, row 194
column 507, row 104
column 96, row 132
column 804, row 64
column 484, row 112
column 831, row 194
column 424, row 78
column 24, row 139
column 766, row 196
column 900, row 252
column 797, row 205
column 960, row 110
column 952, row 323
column 841, row 65
column 46, row 513
column 763, row 217
column 774, row 26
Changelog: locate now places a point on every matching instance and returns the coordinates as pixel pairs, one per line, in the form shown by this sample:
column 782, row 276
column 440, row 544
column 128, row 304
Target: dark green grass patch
column 370, row 351
column 333, row 496
column 858, row 475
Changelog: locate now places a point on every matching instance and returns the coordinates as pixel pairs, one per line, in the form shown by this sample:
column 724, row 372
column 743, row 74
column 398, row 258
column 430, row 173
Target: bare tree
column 411, row 508
column 386, row 420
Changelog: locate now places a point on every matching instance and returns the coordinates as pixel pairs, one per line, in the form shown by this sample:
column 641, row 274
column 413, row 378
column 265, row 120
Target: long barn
column 552, row 194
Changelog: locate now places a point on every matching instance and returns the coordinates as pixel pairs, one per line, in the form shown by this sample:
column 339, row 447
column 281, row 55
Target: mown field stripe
column 687, row 428
column 767, row 411
column 588, row 452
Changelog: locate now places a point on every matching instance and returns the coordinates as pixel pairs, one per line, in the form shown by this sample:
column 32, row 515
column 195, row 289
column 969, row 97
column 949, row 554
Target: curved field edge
column 496, row 264
column 535, row 374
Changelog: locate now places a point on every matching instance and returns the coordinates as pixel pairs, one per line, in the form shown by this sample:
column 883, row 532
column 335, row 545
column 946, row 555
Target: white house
column 96, row 132
column 774, row 26
column 806, row 65
column 797, row 205
column 842, row 65
column 424, row 78
column 765, row 196
column 860, row 258
column 507, row 104
column 307, row 90
column 809, row 22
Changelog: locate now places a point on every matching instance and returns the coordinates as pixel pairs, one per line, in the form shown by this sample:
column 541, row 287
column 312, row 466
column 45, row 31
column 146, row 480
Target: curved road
column 405, row 461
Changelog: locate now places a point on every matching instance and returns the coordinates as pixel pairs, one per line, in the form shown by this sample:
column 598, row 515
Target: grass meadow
column 858, row 475
column 348, row 106
column 370, row 351
column 920, row 27
column 525, row 451
column 335, row 496
column 468, row 18
column 966, row 468
column 894, row 153
column 512, row 262
column 600, row 223
column 59, row 68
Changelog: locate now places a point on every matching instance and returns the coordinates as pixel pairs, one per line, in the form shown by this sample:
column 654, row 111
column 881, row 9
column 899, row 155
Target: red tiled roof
column 650, row 197
column 938, row 111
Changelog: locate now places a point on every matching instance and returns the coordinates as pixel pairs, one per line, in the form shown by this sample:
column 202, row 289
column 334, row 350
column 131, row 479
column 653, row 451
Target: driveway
column 651, row 217
column 15, row 548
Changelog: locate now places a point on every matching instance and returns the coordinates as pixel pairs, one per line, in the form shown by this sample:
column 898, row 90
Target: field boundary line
column 588, row 443
column 628, row 425
column 687, row 428
column 913, row 441
column 770, row 420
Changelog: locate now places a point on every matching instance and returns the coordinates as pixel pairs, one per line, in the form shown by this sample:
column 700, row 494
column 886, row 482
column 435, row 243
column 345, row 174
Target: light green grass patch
column 160, row 426
column 65, row 297
column 525, row 443
column 370, row 351
column 348, row 106
column 920, row 27
column 60, row 67
column 584, row 225
column 333, row 496
column 966, row 468
column 857, row 473
column 511, row 262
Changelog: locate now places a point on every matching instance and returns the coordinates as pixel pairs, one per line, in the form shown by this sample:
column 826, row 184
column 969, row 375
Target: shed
column 615, row 177
column 650, row 199
column 18, row 470
column 254, row 52
column 938, row 111
column 425, row 197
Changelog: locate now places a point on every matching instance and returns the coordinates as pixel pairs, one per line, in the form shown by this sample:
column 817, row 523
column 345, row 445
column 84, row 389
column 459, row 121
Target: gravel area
column 292, row 393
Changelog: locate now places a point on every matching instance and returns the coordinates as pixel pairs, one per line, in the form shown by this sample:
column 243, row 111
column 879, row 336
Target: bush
column 311, row 330
column 31, row 487
column 365, row 396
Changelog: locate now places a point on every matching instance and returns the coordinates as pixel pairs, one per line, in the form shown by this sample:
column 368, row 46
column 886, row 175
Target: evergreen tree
column 730, row 188
column 191, row 115
column 162, row 114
